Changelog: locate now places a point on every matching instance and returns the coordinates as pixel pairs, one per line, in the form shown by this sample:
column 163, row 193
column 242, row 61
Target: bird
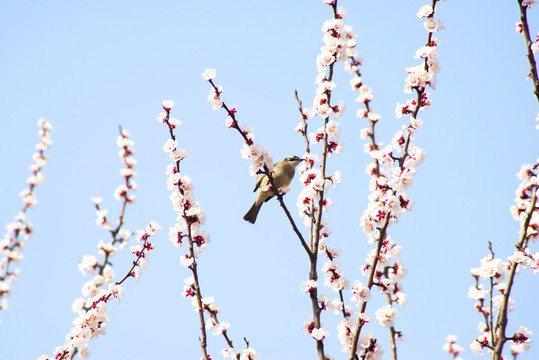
column 283, row 173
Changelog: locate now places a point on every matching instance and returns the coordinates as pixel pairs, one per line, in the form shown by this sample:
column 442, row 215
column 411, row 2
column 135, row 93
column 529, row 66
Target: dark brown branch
column 266, row 171
column 529, row 53
column 194, row 265
column 370, row 283
column 501, row 321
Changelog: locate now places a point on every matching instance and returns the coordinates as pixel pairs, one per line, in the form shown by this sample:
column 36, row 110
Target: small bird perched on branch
column 283, row 172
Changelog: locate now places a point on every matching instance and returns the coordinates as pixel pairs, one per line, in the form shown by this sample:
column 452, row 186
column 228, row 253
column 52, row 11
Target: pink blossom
column 167, row 104
column 209, row 74
column 319, row 334
column 433, row 25
column 425, row 11
column 386, row 315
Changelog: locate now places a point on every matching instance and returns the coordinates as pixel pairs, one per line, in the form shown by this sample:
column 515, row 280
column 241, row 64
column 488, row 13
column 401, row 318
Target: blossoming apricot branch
column 125, row 194
column 312, row 201
column 495, row 307
column 92, row 317
column 11, row 244
column 259, row 155
column 391, row 175
column 451, row 347
column 500, row 275
column 119, row 235
column 188, row 226
column 102, row 271
column 532, row 47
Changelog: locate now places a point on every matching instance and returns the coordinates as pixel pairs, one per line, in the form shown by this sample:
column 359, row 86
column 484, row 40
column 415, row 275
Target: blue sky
column 88, row 67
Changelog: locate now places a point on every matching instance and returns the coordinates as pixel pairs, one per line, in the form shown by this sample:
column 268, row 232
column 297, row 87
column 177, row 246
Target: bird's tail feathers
column 252, row 213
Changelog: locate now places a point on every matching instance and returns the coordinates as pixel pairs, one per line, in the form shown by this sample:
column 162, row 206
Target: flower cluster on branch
column 92, row 313
column 391, row 171
column 190, row 218
column 12, row 243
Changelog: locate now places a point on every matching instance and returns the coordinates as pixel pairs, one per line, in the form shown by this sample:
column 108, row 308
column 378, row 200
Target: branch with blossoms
column 124, row 193
column 391, row 174
column 261, row 163
column 93, row 316
column 188, row 226
column 495, row 303
column 339, row 46
column 102, row 271
column 532, row 47
column 451, row 347
column 11, row 244
column 312, row 201
column 494, row 300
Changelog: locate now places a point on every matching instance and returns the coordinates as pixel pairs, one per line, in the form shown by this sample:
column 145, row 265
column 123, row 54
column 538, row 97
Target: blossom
column 365, row 94
column 220, row 328
column 117, row 291
column 535, row 47
column 336, row 178
column 88, row 264
column 186, row 261
column 170, row 145
column 521, row 340
column 308, row 286
column 355, row 82
column 248, row 354
column 386, row 315
column 451, row 347
column 178, row 154
column 361, row 293
column 424, row 52
column 259, row 156
column 167, row 104
column 161, row 117
column 477, row 292
column 319, row 334
column 490, row 268
column 228, row 353
column 478, row 344
column 425, row 11
column 333, row 130
column 433, row 25
column 208, row 74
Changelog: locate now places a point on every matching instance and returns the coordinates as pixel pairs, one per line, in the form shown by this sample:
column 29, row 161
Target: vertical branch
column 303, row 129
column 12, row 244
column 391, row 186
column 501, row 320
column 184, row 205
column 392, row 333
column 324, row 97
column 529, row 53
column 190, row 218
column 198, row 292
column 370, row 283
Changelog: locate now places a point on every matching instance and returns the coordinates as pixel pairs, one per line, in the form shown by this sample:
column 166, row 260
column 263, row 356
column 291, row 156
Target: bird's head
column 293, row 160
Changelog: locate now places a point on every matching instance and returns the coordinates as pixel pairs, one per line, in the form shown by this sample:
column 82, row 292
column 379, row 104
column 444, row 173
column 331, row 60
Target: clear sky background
column 89, row 67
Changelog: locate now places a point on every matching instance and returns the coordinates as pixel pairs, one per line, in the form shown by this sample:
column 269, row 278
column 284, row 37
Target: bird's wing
column 259, row 182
